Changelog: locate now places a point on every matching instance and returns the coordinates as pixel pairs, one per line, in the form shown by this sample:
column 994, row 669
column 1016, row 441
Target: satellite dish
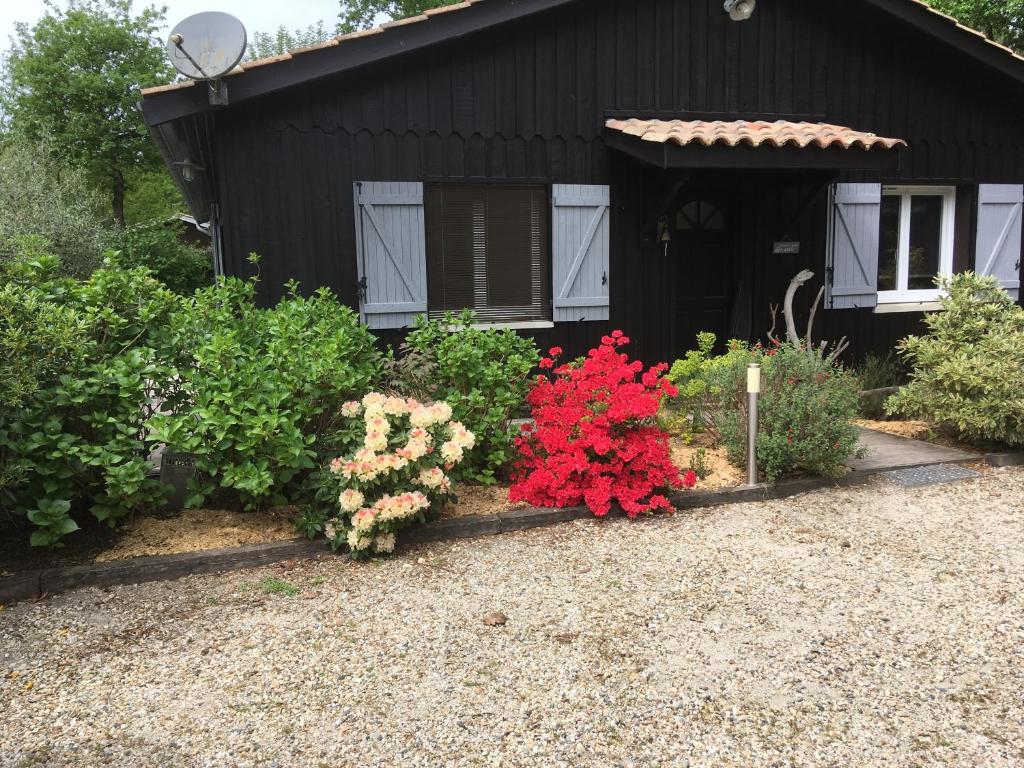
column 740, row 10
column 207, row 46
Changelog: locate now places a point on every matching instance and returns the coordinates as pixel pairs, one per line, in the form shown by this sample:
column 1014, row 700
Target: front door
column 702, row 246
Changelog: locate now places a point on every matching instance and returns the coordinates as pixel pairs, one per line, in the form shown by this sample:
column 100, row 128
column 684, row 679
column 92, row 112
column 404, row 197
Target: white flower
column 374, row 400
column 350, row 409
column 451, row 452
column 350, row 500
column 433, row 478
column 357, row 542
column 376, row 441
column 385, row 543
column 364, row 519
column 421, row 417
column 442, row 412
column 461, row 436
column 330, row 531
column 396, row 406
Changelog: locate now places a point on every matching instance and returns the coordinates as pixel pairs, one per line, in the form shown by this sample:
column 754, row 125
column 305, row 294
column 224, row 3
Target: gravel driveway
column 867, row 627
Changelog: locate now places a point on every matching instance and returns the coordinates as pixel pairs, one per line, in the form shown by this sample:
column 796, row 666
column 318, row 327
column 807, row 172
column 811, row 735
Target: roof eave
column 315, row 63
column 959, row 36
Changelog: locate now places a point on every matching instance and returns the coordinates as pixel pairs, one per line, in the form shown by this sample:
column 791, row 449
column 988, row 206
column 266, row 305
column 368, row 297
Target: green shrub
column 879, row 372
column 42, row 198
column 182, row 268
column 260, row 391
column 80, row 366
column 968, row 371
column 807, row 407
column 689, row 375
column 483, row 375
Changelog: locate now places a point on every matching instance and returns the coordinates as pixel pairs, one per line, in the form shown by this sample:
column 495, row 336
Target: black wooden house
column 569, row 166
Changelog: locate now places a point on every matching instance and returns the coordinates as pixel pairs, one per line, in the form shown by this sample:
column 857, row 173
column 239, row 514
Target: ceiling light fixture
column 740, row 10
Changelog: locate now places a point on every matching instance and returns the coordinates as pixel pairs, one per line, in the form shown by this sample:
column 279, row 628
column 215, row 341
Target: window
column 915, row 242
column 487, row 250
column 700, row 215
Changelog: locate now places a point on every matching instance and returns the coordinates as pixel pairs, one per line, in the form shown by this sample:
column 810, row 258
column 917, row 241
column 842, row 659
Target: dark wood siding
column 527, row 102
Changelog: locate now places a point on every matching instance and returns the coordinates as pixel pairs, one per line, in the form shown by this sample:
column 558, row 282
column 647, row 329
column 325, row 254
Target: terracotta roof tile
column 752, row 133
column 427, row 15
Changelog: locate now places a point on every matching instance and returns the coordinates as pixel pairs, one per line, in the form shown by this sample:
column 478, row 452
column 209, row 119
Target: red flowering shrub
column 595, row 440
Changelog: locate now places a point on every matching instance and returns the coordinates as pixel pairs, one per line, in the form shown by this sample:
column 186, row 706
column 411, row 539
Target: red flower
column 555, row 351
column 690, row 479
column 546, row 363
column 596, row 440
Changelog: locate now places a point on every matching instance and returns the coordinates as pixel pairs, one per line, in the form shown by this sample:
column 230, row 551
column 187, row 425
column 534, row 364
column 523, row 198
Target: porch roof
column 751, row 144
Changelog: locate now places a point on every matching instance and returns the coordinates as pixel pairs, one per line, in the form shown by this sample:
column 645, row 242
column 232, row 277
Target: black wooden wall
column 528, row 101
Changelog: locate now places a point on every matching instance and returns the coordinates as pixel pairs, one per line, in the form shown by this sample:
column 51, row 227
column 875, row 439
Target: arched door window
column 700, row 215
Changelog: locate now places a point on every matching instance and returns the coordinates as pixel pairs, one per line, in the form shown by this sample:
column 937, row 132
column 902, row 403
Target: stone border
column 33, row 585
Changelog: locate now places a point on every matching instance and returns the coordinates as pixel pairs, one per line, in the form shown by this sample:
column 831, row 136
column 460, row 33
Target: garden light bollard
column 753, row 391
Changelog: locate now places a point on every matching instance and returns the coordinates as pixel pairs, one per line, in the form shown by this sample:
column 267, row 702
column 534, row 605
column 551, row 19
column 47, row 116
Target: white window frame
column 903, row 295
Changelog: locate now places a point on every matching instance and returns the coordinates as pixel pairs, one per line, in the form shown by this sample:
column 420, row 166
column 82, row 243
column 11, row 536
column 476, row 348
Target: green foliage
column 46, row 206
column 807, row 407
column 484, row 375
column 699, row 464
column 360, row 14
column 81, row 366
column 73, row 80
column 880, row 371
column 263, row 45
column 275, row 586
column 181, row 267
column 999, row 20
column 151, row 196
column 968, row 371
column 261, row 389
column 689, row 375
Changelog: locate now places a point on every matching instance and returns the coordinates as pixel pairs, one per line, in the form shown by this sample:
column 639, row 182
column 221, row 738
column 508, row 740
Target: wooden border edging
column 37, row 584
column 1005, row 459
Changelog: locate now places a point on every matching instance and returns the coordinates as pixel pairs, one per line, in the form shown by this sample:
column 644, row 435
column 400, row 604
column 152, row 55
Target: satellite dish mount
column 206, row 47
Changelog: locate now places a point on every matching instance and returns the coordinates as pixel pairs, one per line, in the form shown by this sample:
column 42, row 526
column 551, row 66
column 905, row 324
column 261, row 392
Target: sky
column 256, row 15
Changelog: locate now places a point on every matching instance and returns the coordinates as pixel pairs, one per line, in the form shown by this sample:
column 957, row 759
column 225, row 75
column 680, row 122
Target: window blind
column 487, row 250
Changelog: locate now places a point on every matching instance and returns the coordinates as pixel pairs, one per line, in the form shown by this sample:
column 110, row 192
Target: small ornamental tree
column 594, row 438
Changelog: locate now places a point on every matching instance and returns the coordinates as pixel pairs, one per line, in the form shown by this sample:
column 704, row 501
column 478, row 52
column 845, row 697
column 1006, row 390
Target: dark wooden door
column 703, row 248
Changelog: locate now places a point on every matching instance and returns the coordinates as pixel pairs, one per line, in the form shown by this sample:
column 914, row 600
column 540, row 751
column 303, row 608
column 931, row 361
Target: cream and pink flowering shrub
column 397, row 474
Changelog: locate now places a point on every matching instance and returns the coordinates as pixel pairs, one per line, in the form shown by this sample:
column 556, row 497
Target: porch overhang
column 752, row 145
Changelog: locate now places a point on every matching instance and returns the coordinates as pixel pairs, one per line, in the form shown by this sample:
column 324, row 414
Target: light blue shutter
column 854, row 220
column 391, row 253
column 999, row 234
column 580, row 244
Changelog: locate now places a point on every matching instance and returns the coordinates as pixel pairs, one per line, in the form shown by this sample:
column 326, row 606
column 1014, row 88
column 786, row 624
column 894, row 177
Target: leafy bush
column 689, row 376
column 43, row 199
column 807, row 406
column 182, row 268
column 483, row 375
column 879, row 372
column 80, row 367
column 259, row 392
column 394, row 477
column 968, row 371
column 595, row 439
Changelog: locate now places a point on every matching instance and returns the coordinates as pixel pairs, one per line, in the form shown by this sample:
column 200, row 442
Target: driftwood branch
column 774, row 310
column 787, row 307
column 810, row 320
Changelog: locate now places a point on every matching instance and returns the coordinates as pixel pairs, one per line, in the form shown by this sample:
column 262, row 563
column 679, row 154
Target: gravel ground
column 866, row 627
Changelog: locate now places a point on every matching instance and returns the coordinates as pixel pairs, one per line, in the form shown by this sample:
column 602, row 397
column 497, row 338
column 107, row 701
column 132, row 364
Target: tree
column 359, row 14
column 999, row 20
column 47, row 205
column 263, row 45
column 74, row 79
